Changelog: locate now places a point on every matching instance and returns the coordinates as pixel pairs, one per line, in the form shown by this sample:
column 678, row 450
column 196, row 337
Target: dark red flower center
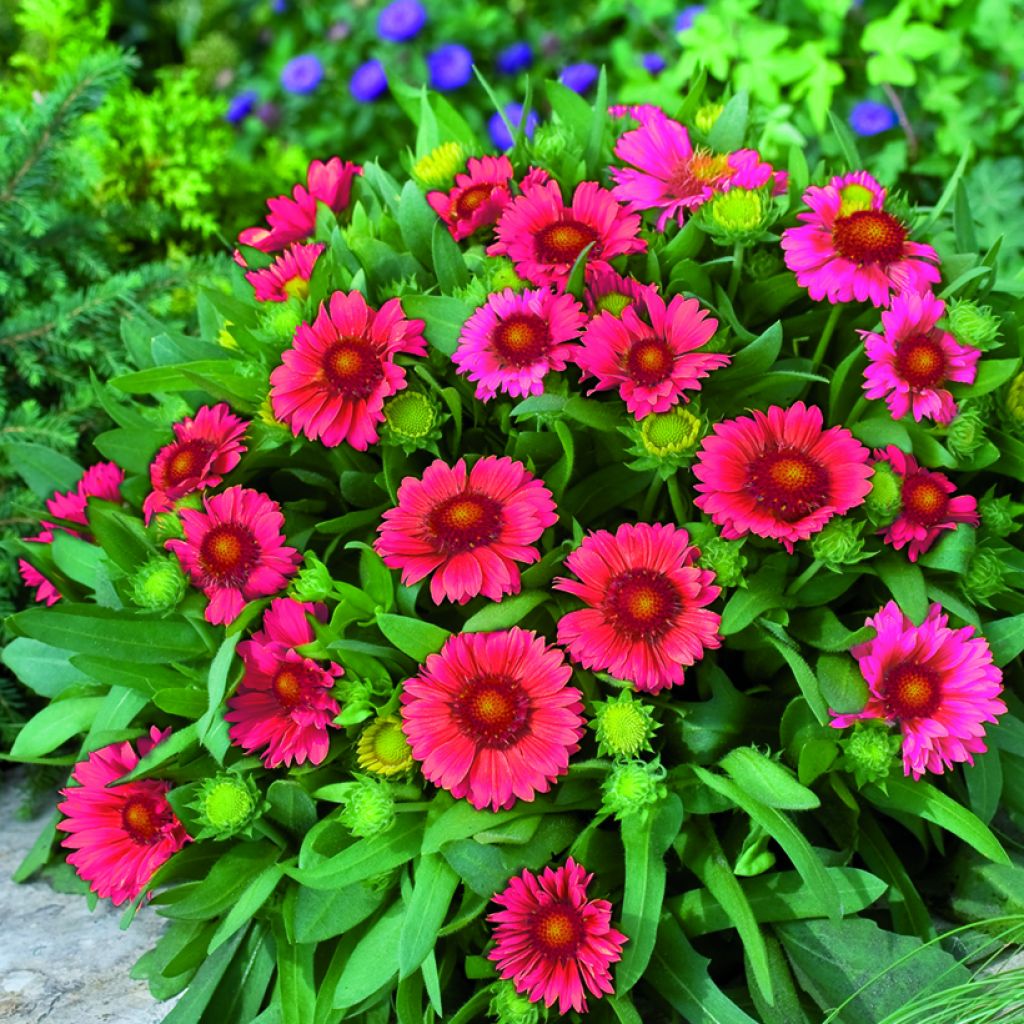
column 471, row 199
column 563, row 241
column 521, row 339
column 290, row 684
column 924, row 500
column 788, row 484
column 353, row 367
column 228, row 553
column 143, row 820
column 189, row 459
column 921, row 362
column 691, row 176
column 557, row 930
column 493, row 710
column 642, row 604
column 465, row 522
column 869, row 236
column 912, row 691
column 649, row 361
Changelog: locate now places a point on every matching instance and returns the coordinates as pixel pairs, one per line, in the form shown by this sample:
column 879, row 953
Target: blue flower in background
column 653, row 63
column 579, row 77
column 500, row 135
column 449, row 66
column 687, row 16
column 368, row 81
column 279, row 6
column 872, row 118
column 302, row 74
column 517, row 57
column 241, row 106
column 401, row 20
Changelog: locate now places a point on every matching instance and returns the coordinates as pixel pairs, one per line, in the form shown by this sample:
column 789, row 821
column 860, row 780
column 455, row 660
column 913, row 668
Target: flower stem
column 826, row 337
column 679, row 505
column 857, row 411
column 650, row 498
column 805, row 577
column 737, row 269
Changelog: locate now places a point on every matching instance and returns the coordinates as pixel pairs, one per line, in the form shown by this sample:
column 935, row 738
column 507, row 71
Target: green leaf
column 767, row 780
column 730, row 128
column 189, row 1009
column 947, row 195
column 992, row 373
column 759, row 355
column 322, row 915
column 256, row 893
column 217, row 682
column 506, row 613
column 54, row 725
column 841, row 683
column 78, row 559
column 433, row 889
column 374, row 961
column 953, row 550
column 444, row 317
column 449, row 265
column 805, row 678
column 462, row 820
column 131, row 448
column 1006, row 638
column 598, row 121
column 763, row 591
column 290, row 805
column 296, row 988
column 44, row 471
column 847, row 145
column 905, row 582
column 985, row 784
column 43, row 669
column 122, row 536
column 412, row 636
column 596, row 415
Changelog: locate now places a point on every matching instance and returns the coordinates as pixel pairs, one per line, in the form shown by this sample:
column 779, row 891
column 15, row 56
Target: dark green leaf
column 374, row 961
column 414, row 637
column 433, row 889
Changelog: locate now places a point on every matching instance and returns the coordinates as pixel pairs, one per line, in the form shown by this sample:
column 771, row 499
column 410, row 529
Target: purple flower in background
column 241, row 106
column 872, row 118
column 687, row 16
column 653, row 63
column 368, row 81
column 339, row 31
column 449, row 66
column 302, row 74
column 279, row 6
column 579, row 77
column 401, row 20
column 268, row 113
column 517, row 57
column 500, row 135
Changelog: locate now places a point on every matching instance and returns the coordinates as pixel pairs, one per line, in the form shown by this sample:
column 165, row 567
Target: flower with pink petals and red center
column 234, row 550
column 46, row 592
column 120, row 835
column 649, row 352
column 333, row 381
column 639, row 112
column 928, row 505
column 468, row 528
column 646, row 617
column 478, row 197
column 284, row 701
column 553, row 943
column 205, row 449
column 912, row 358
column 288, row 276
column 512, row 342
column 492, row 718
column 938, row 683
column 544, row 237
column 293, row 218
column 851, row 248
column 608, row 292
column 779, row 474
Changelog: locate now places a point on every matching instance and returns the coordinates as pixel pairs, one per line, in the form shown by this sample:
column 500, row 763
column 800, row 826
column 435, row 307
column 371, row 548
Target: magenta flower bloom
column 928, row 507
column 912, row 358
column 779, row 474
column 938, row 683
column 284, row 701
column 288, row 276
column 543, row 237
column 467, row 528
column 606, row 291
column 553, row 943
column 492, row 718
column 46, row 592
column 234, row 550
column 478, row 197
column 850, row 248
column 206, row 447
column 120, row 835
column 646, row 617
column 333, row 381
column 652, row 361
column 639, row 112
column 293, row 218
column 512, row 342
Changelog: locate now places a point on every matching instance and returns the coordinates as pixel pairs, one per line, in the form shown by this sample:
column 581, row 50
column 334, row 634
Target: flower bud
column 313, row 582
column 999, row 515
column 763, row 263
column 438, row 168
column 966, row 433
column 854, row 197
column 884, row 500
column 972, row 324
column 282, row 318
column 670, row 433
column 383, row 748
column 411, row 420
column 870, row 752
column 158, row 584
column 552, row 142
column 501, row 274
column 226, row 805
column 369, row 807
column 754, row 858
column 225, row 338
column 1015, row 401
column 985, row 576
column 509, row 1007
column 725, row 559
column 632, row 786
column 623, row 726
column 739, row 215
column 167, row 526
column 706, row 116
column 838, row 543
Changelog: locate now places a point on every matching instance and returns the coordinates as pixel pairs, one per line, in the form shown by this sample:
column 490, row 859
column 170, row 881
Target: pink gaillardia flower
column 646, row 617
column 608, row 292
column 284, row 701
column 333, row 381
column 120, row 835
column 639, row 112
column 553, row 943
column 779, row 474
column 543, row 237
column 513, row 341
column 468, row 528
column 492, row 718
column 46, row 591
column 850, row 248
column 206, row 447
column 938, row 683
column 234, row 550
column 928, row 507
column 477, row 198
column 912, row 358
column 649, row 352
column 293, row 218
column 288, row 276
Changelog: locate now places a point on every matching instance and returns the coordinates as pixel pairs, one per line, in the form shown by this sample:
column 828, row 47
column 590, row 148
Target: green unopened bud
column 551, row 142
column 870, row 753
column 972, row 324
column 411, row 421
column 265, row 412
column 966, row 433
column 999, row 515
column 614, row 303
column 383, row 748
column 623, row 726
column 754, row 858
column 985, row 576
column 509, row 1007
column 167, row 526
column 159, row 584
column 739, row 215
column 1015, row 400
column 282, row 318
column 632, row 786
column 225, row 338
column 369, row 807
column 501, row 274
column 438, row 168
column 838, row 543
column 884, row 500
column 313, row 582
column 226, row 805
column 854, row 197
column 725, row 559
column 763, row 263
column 706, row 116
column 670, row 433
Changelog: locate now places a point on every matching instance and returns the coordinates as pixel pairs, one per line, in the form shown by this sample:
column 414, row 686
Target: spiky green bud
column 623, row 726
column 632, row 786
column 985, row 576
column 999, row 515
column 725, row 559
column 226, row 805
column 839, row 543
column 966, row 432
column 664, row 441
column 369, row 807
column 501, row 274
column 509, row 1007
column 411, row 421
column 159, row 584
column 282, row 318
column 739, row 215
column 313, row 582
column 870, row 752
column 551, row 142
column 167, row 526
column 972, row 324
column 1015, row 401
column 763, row 263
column 706, row 116
column 884, row 500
